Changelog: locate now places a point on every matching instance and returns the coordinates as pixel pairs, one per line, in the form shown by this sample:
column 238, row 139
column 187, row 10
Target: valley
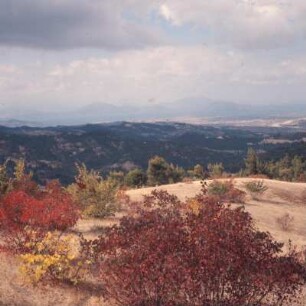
column 52, row 152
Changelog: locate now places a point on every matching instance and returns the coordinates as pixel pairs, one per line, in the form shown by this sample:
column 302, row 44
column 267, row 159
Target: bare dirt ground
column 280, row 198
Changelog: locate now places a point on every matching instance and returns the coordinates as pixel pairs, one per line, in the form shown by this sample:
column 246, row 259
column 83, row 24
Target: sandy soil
column 280, row 198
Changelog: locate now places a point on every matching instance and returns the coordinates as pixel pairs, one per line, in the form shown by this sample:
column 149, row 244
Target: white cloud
column 162, row 75
column 252, row 24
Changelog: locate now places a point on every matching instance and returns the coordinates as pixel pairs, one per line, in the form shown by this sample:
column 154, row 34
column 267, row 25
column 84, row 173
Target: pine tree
column 251, row 162
column 157, row 171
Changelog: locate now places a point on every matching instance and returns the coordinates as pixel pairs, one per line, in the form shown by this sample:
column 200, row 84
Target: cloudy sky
column 66, row 54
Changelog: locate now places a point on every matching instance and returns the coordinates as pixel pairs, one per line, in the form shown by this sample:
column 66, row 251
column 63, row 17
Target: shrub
column 157, row 171
column 256, row 188
column 226, row 191
column 136, row 178
column 19, row 181
column 51, row 258
column 160, row 172
column 285, row 222
column 193, row 205
column 199, row 172
column 175, row 174
column 32, row 226
column 117, row 177
column 251, row 162
column 95, row 196
column 21, row 214
column 56, row 258
column 215, row 170
column 214, row 257
column 162, row 199
column 4, row 179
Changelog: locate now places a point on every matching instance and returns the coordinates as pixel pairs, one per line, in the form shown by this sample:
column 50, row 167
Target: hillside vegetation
column 278, row 200
column 51, row 153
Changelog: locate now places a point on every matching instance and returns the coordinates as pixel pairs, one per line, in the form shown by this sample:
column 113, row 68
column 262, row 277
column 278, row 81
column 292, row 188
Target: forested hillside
column 52, row 152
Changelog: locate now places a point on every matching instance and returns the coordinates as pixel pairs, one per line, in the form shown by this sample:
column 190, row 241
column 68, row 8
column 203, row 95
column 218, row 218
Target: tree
column 215, row 170
column 167, row 256
column 136, row 178
column 251, row 162
column 21, row 180
column 95, row 196
column 117, row 177
column 157, row 171
column 4, row 179
column 297, row 167
column 199, row 172
column 287, row 168
column 175, row 174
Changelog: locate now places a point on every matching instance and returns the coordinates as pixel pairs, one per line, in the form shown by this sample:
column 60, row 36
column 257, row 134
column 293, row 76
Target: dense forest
column 51, row 153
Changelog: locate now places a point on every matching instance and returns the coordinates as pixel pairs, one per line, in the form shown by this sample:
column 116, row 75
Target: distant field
column 281, row 198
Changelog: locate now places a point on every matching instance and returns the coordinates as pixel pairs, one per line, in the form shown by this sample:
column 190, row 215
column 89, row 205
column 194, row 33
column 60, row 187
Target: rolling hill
column 280, row 198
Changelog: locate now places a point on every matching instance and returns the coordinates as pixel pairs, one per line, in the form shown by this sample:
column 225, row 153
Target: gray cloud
column 62, row 24
column 246, row 51
column 158, row 74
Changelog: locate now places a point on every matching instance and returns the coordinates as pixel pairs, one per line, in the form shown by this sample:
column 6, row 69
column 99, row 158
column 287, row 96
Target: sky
column 62, row 55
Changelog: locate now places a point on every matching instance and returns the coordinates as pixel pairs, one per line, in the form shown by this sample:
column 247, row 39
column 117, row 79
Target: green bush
column 96, row 196
column 226, row 191
column 215, row 170
column 256, row 188
column 135, row 178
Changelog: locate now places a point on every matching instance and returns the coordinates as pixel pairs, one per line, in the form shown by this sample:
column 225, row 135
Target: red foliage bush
column 22, row 214
column 234, row 195
column 214, row 257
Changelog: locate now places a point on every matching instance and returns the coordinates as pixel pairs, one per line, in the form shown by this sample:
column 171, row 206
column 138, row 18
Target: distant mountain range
column 181, row 110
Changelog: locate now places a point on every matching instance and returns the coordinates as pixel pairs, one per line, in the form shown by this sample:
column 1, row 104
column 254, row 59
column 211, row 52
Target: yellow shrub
column 53, row 258
column 194, row 206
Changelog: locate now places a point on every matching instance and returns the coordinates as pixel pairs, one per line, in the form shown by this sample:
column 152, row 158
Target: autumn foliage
column 22, row 213
column 165, row 253
column 169, row 256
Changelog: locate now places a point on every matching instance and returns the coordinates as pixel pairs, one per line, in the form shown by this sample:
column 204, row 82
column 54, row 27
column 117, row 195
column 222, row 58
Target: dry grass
column 279, row 199
column 285, row 222
column 14, row 291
